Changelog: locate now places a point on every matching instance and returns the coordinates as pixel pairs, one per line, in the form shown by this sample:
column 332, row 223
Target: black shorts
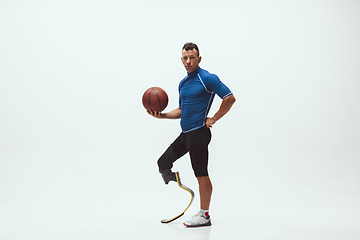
column 196, row 143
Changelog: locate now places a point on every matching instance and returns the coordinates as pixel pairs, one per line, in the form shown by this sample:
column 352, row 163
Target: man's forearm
column 224, row 107
column 174, row 114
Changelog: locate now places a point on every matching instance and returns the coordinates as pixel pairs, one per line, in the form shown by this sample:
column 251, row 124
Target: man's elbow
column 231, row 99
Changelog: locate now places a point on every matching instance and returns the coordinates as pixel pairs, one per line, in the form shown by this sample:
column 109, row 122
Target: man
column 196, row 94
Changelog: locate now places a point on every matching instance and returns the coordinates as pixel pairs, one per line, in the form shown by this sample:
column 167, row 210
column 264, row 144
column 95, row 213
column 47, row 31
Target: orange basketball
column 155, row 99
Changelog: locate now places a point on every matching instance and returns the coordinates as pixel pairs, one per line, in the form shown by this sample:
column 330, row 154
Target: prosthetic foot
column 177, row 179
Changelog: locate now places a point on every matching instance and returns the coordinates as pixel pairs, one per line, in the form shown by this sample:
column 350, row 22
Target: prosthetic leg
column 168, row 176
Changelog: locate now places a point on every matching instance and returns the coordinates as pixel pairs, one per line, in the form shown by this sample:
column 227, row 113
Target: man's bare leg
column 205, row 190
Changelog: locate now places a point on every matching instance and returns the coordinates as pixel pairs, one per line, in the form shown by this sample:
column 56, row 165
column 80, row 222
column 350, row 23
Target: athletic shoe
column 198, row 221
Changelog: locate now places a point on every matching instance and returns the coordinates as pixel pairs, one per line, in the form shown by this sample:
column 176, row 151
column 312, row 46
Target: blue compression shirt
column 196, row 94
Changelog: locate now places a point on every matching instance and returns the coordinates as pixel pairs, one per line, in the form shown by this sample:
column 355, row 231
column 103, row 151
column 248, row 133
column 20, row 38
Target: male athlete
column 196, row 94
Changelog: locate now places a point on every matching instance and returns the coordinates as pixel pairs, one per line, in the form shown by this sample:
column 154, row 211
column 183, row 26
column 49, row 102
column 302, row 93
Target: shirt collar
column 192, row 74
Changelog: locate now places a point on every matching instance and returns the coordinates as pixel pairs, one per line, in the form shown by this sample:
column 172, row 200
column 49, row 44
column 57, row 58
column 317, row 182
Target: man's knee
column 166, row 160
column 205, row 183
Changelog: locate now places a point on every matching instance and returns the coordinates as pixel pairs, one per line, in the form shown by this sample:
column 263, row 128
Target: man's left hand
column 210, row 122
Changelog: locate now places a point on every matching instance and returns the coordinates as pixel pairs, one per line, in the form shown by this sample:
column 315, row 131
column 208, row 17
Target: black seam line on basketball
column 162, row 91
column 157, row 97
column 149, row 100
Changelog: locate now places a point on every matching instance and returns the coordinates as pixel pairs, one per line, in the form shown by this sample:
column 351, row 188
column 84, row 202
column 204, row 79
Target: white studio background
column 78, row 151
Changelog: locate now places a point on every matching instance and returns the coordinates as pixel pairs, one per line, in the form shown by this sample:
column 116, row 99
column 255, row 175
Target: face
column 190, row 59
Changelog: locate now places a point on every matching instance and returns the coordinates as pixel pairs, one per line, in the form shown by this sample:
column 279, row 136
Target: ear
column 199, row 59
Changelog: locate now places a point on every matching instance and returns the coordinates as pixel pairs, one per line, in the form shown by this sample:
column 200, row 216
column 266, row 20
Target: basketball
column 155, row 99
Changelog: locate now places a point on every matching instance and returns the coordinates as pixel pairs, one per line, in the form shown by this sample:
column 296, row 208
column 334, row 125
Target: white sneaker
column 198, row 221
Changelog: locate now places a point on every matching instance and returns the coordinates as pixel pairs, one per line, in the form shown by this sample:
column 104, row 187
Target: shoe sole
column 203, row 225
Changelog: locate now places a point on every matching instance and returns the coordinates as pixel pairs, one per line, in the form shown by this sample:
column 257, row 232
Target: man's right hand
column 174, row 114
column 155, row 114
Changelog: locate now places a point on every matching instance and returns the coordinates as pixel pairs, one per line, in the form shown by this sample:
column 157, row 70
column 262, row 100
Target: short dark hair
column 190, row 46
